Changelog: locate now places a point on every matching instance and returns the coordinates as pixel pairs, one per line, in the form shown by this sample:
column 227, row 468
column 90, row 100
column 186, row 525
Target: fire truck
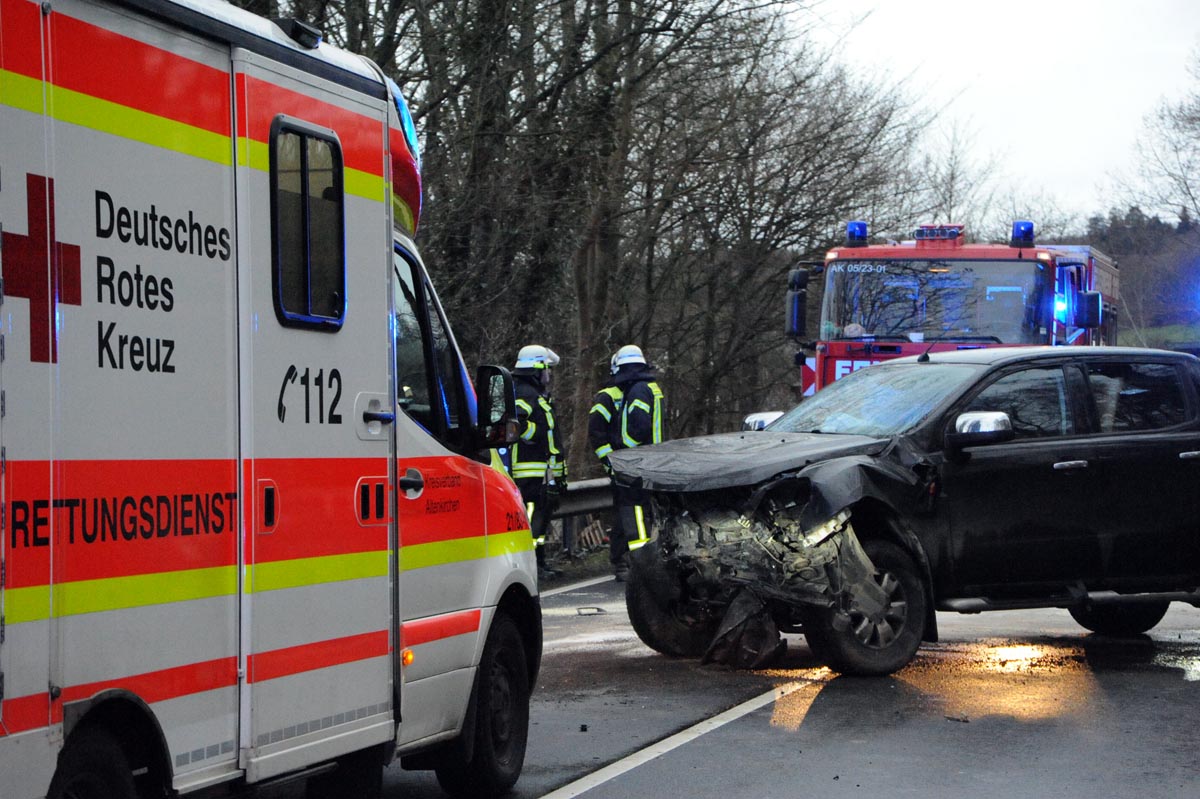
column 938, row 292
column 248, row 529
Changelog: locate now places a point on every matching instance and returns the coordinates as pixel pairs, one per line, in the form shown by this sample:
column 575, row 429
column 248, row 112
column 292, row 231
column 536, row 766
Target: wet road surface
column 1016, row 703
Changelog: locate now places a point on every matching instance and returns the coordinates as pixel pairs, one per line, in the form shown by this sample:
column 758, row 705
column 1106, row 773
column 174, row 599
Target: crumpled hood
column 705, row 463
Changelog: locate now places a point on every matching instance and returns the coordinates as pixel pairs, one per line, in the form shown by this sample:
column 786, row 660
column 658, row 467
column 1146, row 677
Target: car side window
column 1137, row 396
column 412, row 374
column 429, row 378
column 1036, row 400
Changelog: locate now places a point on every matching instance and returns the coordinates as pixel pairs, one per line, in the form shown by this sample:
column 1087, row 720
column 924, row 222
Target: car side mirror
column 760, row 420
column 496, row 416
column 1088, row 310
column 977, row 428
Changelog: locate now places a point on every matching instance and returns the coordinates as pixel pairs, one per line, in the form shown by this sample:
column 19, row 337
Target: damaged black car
column 971, row 480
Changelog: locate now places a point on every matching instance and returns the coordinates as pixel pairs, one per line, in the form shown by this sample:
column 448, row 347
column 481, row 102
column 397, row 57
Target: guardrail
column 585, row 496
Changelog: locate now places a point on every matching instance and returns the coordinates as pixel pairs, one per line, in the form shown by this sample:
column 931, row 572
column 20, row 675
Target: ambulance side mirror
column 496, row 425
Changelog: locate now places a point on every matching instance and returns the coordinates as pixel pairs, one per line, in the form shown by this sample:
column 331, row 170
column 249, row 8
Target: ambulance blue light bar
column 938, row 232
column 1022, row 234
column 856, row 234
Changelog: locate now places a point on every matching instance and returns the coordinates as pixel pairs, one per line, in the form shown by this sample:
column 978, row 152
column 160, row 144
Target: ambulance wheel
column 875, row 646
column 496, row 729
column 1130, row 619
column 655, row 604
column 359, row 775
column 92, row 766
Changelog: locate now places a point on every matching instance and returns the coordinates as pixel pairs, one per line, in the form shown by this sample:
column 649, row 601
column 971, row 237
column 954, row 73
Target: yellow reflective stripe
column 613, row 392
column 604, row 450
column 314, row 571
column 656, row 437
column 117, row 593
column 530, row 429
column 600, row 409
column 640, row 404
column 442, row 553
column 529, row 510
column 92, row 113
column 75, row 108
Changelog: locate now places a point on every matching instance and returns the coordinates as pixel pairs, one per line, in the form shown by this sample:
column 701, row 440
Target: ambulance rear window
column 307, row 225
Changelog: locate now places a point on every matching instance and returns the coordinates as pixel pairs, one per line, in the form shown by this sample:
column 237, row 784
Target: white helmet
column 535, row 356
column 630, row 353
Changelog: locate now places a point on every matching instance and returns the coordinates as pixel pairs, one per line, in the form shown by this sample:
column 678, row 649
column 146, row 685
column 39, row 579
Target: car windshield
column 881, row 400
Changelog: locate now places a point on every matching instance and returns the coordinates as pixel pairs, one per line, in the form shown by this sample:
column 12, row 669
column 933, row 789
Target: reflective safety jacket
column 642, row 411
column 536, row 452
column 604, row 423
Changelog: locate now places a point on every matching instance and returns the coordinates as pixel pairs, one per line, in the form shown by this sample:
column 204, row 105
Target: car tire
column 497, row 721
column 1128, row 619
column 874, row 648
column 654, row 609
column 92, row 766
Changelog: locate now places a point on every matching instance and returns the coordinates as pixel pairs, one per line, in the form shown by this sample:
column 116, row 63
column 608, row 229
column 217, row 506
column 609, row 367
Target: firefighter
column 536, row 463
column 628, row 412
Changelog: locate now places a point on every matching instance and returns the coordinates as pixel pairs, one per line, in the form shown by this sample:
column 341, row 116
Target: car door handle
column 384, row 417
column 1067, row 466
column 1189, row 456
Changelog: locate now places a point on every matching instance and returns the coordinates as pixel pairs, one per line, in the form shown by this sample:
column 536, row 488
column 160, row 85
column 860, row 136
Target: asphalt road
column 1019, row 703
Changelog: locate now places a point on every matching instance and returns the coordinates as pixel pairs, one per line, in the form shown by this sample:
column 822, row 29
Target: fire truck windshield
column 999, row 302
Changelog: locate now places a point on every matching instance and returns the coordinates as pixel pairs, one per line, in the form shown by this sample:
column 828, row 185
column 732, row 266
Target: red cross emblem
column 41, row 269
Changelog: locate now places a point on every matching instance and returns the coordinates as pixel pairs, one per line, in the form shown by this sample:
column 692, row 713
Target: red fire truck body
column 938, row 292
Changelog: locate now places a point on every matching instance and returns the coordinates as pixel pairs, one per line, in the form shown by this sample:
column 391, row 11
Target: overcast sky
column 1056, row 89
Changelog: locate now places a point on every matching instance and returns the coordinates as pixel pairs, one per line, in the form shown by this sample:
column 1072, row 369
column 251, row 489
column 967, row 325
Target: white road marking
column 573, row 586
column 614, row 770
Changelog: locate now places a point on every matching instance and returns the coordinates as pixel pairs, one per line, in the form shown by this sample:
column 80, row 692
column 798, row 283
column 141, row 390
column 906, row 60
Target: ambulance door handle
column 384, row 417
column 412, row 481
column 1068, row 466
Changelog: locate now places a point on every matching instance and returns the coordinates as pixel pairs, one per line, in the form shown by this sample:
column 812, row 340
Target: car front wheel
column 881, row 643
column 656, row 609
column 1128, row 619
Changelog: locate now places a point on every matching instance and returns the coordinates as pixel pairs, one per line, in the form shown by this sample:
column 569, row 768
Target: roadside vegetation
column 600, row 172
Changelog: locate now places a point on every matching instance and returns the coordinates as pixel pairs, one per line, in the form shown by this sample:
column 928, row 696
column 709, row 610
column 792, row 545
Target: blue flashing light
column 406, row 121
column 856, row 234
column 1060, row 308
column 1022, row 234
column 938, row 232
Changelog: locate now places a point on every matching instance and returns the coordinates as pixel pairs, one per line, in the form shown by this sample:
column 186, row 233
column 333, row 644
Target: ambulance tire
column 92, row 766
column 359, row 775
column 497, row 721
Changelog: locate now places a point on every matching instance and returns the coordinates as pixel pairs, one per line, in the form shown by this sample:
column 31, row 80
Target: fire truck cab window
column 1035, row 400
column 429, row 377
column 1136, row 396
column 307, row 207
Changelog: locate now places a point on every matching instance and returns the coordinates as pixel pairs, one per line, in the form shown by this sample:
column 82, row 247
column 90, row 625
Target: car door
column 1022, row 513
column 1147, row 442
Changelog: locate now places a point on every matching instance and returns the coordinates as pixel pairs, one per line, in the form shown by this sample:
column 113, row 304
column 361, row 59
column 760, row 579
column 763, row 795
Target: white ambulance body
column 245, row 530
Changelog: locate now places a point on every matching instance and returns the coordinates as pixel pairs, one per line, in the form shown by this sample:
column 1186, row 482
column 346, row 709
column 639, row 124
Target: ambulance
column 248, row 529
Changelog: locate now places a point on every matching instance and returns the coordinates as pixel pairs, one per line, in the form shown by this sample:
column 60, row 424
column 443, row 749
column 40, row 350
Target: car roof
column 993, row 356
